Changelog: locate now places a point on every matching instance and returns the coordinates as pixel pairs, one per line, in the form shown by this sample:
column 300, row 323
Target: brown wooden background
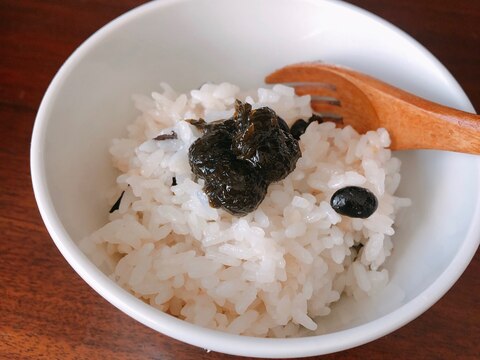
column 48, row 312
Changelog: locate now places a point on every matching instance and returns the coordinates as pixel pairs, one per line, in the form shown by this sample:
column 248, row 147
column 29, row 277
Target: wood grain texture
column 48, row 312
column 367, row 103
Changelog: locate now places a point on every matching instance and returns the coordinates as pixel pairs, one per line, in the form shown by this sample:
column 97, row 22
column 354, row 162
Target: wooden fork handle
column 412, row 122
column 434, row 126
column 416, row 123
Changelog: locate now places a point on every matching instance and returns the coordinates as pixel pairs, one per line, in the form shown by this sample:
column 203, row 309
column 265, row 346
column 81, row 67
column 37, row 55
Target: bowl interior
column 187, row 43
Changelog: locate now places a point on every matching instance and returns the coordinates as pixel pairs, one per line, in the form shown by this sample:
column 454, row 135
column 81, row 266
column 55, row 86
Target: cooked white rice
column 274, row 272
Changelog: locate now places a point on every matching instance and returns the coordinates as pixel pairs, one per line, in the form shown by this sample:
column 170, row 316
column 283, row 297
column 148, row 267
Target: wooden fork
column 365, row 103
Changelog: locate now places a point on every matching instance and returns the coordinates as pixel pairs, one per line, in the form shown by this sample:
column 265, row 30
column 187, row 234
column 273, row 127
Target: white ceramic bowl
column 188, row 42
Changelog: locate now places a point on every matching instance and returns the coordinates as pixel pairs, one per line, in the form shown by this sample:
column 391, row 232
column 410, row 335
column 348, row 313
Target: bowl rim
column 214, row 339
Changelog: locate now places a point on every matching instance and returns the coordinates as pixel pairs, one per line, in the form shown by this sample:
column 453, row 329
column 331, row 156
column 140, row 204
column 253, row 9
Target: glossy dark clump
column 239, row 157
column 300, row 126
column 354, row 201
column 265, row 143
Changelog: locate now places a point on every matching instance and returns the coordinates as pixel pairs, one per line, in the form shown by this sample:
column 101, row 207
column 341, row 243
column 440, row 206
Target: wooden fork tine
column 324, row 95
column 322, row 107
column 306, row 84
column 325, row 100
column 326, row 116
column 311, row 88
column 321, row 93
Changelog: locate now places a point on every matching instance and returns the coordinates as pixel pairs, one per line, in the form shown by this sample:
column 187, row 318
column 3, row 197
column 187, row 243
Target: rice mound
column 271, row 273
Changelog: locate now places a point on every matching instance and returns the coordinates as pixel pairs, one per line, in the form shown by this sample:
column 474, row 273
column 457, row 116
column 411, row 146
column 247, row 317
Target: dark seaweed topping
column 199, row 124
column 116, row 206
column 283, row 125
column 239, row 157
column 263, row 143
column 238, row 189
column 202, row 125
column 300, row 126
column 174, row 181
column 354, row 201
column 171, row 136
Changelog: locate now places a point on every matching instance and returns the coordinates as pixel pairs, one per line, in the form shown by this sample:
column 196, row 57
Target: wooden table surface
column 48, row 312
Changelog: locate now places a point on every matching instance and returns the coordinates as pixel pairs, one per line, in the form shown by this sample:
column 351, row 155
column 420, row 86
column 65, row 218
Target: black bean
column 354, row 201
